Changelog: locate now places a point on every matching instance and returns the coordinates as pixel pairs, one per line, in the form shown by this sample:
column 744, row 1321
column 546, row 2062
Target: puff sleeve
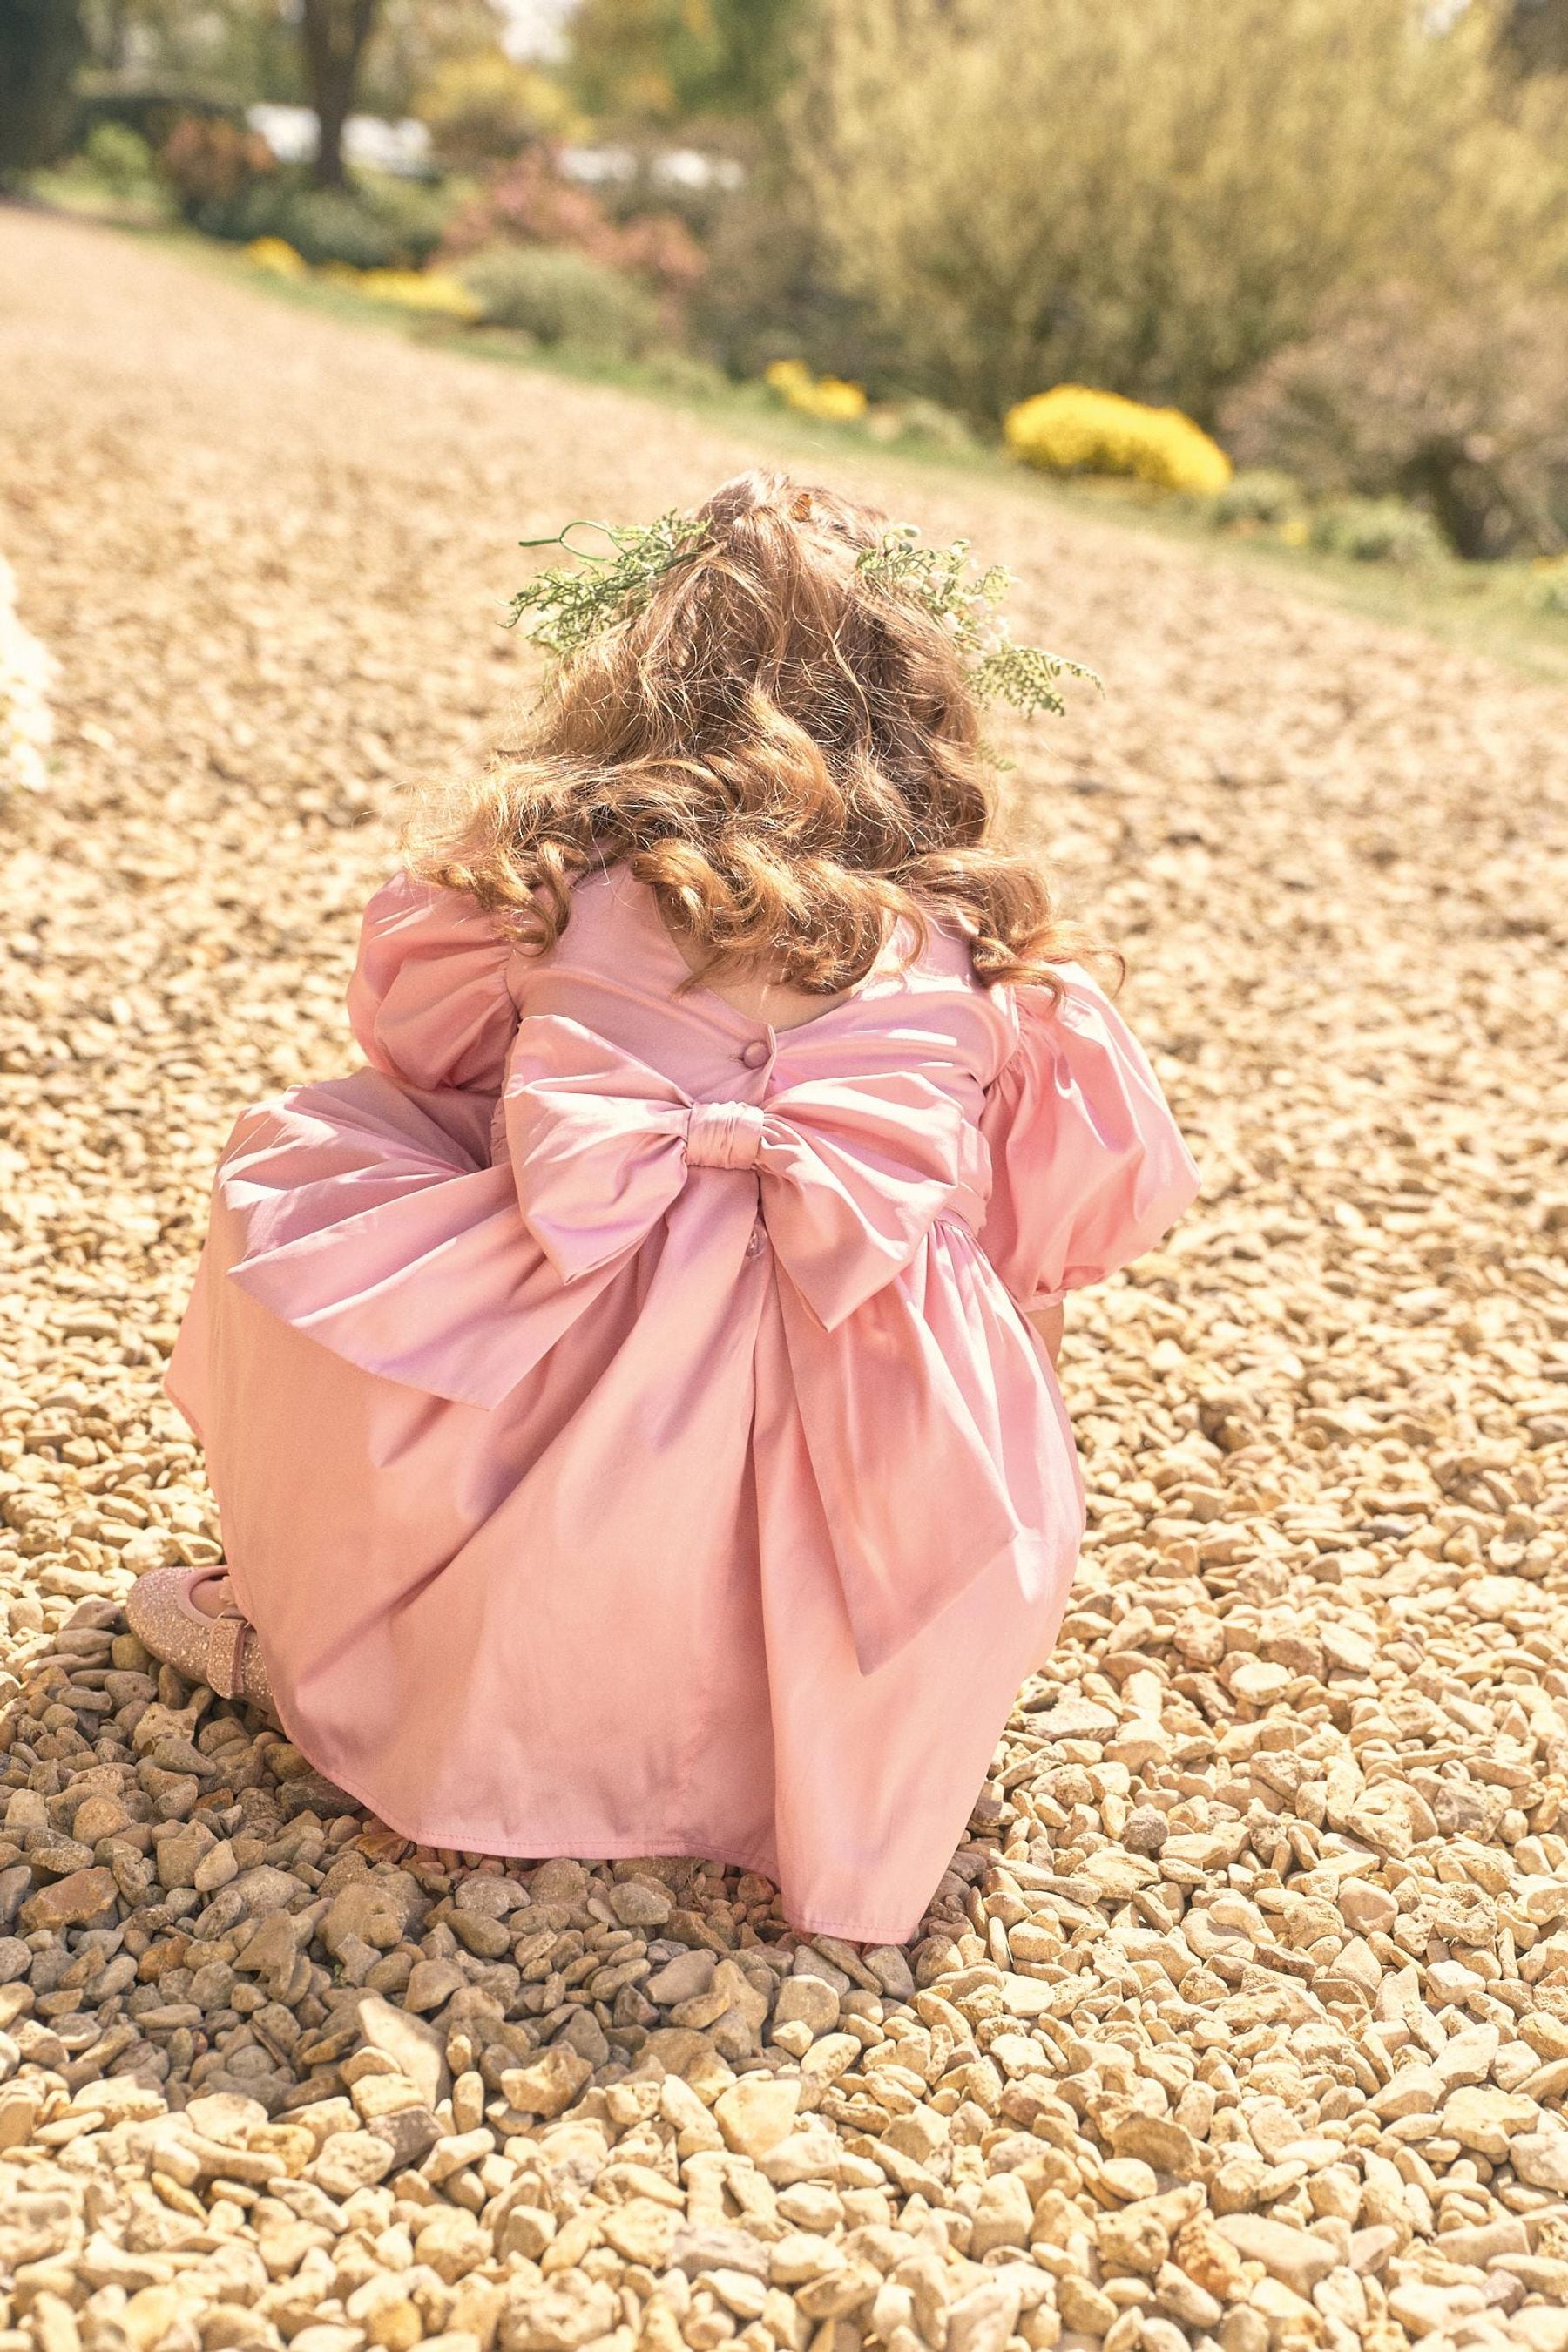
column 1089, row 1169
column 428, row 1003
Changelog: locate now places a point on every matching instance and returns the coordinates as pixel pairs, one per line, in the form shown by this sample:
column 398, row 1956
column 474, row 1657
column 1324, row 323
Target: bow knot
column 723, row 1135
column 852, row 1172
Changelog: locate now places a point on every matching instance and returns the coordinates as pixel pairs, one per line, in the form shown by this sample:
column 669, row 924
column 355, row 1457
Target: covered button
column 755, row 1052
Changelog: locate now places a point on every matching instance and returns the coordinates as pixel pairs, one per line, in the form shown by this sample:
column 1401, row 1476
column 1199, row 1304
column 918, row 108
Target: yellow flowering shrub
column 272, row 254
column 421, row 289
column 788, row 378
column 826, row 397
column 1074, row 430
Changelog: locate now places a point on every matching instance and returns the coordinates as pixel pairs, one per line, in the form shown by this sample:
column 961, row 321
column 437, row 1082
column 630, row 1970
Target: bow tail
column 911, row 1483
column 844, row 1214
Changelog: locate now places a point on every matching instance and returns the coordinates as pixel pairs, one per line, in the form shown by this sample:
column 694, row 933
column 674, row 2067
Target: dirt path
column 1245, row 2004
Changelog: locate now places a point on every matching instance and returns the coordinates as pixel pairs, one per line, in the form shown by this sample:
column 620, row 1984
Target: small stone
column 1294, row 2257
column 351, row 2160
column 478, row 1933
column 526, row 2230
column 685, row 1978
column 1488, row 2120
column 98, row 1817
column 1002, row 2217
column 227, row 2116
column 1167, row 2146
column 808, row 2002
column 375, row 2095
column 261, row 1888
column 1073, row 1718
column 1259, row 1683
column 409, row 2132
column 453, row 2243
column 1084, row 2306
column 804, row 2254
column 1367, row 1909
column 641, row 1903
column 376, row 1910
column 705, row 2246
column 801, row 2155
column 1185, row 2300
column 456, row 2152
column 149, row 2315
column 641, row 2230
column 1540, row 2275
column 179, row 1852
column 757, row 2113
column 558, row 1881
column 1135, row 2241
column 1538, row 2329
column 891, row 1970
column 1147, row 1831
column 1541, row 2159
column 417, row 2050
column 984, row 2319
column 1476, row 2246
column 565, row 2312
column 737, row 2292
column 74, row 1901
column 1411, row 2091
column 548, row 2084
column 215, row 1869
column 396, row 2326
column 1128, row 2177
column 1118, row 1873
column 1469, row 2057
column 1361, row 1964
column 431, row 1984
column 1427, row 2309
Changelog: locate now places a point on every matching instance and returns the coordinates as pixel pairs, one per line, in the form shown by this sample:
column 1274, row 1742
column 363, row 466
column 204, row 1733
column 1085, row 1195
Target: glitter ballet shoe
column 222, row 1651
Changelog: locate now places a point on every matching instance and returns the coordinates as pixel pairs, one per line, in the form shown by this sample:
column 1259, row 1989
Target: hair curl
column 786, row 753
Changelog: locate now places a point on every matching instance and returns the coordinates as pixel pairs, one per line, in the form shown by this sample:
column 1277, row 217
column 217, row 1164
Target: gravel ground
column 1241, row 2017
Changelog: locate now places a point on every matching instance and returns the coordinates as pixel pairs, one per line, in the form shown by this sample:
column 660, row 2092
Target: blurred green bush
column 1458, row 404
column 121, row 160
column 1259, row 496
column 227, row 182
column 1378, row 530
column 563, row 298
column 383, row 224
column 1017, row 194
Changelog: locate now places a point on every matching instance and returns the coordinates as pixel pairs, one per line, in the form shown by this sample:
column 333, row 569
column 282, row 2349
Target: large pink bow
column 850, row 1173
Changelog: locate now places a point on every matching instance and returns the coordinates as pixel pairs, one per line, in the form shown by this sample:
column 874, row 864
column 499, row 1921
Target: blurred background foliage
column 1330, row 235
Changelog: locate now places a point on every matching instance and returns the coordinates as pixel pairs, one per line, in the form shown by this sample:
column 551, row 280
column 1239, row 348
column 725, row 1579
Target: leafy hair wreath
column 572, row 604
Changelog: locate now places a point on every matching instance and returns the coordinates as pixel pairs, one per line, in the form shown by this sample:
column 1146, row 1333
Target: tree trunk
column 41, row 45
column 1536, row 33
column 334, row 33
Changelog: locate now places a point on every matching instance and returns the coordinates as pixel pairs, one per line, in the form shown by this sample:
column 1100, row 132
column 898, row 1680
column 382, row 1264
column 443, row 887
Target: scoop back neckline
column 756, row 1020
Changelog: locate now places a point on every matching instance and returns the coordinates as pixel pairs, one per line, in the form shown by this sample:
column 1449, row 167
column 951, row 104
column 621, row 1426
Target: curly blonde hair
column 786, row 753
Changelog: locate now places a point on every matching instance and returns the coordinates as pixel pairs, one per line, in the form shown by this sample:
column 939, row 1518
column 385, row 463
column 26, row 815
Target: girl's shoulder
column 430, row 1000
column 1029, row 1013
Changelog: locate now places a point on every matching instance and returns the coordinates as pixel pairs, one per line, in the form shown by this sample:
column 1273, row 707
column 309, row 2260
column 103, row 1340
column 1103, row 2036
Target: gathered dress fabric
column 626, row 1434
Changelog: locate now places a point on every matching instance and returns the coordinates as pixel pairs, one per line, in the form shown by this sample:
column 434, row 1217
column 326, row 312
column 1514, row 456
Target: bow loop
column 850, row 1172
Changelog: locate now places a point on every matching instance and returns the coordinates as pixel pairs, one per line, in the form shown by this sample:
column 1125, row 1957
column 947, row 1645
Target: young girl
column 630, row 1398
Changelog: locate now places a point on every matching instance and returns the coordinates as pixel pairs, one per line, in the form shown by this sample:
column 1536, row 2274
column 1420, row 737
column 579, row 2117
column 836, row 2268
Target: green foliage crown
column 570, row 605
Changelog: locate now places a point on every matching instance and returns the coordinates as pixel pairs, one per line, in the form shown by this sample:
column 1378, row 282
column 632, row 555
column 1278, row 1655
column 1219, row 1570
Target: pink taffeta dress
column 626, row 1433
